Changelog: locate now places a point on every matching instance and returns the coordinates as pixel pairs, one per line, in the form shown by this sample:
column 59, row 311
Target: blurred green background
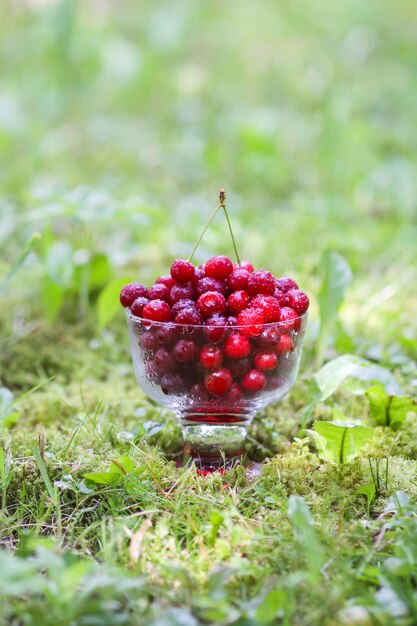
column 120, row 121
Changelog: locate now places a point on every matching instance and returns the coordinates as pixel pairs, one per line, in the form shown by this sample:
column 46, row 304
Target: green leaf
column 368, row 490
column 108, row 302
column 332, row 375
column 340, row 441
column 329, row 377
column 118, row 468
column 10, row 419
column 337, row 276
column 103, row 478
column 100, row 271
column 388, row 410
column 124, row 462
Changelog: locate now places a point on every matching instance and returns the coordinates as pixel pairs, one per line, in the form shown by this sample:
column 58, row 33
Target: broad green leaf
column 108, row 301
column 388, row 410
column 329, row 377
column 103, row 478
column 340, row 441
column 337, row 276
column 378, row 404
column 125, row 462
column 120, row 466
column 399, row 408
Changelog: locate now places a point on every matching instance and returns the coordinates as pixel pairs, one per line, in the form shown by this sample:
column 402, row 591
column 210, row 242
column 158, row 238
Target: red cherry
column 211, row 302
column 237, row 301
column 153, row 372
column 275, row 382
column 219, row 267
column 219, row 382
column 244, row 265
column 289, row 320
column 157, row 311
column 137, row 305
column 269, row 306
column 282, row 297
column 238, row 279
column 172, row 384
column 236, row 346
column 198, row 275
column 166, row 334
column 199, row 392
column 180, row 305
column 285, row 284
column 285, row 344
column 181, row 292
column 251, row 321
column 298, row 300
column 266, row 361
column 130, row 292
column 215, row 327
column 182, row 271
column 234, row 394
column 254, row 381
column 185, row 351
column 190, row 315
column 261, row 281
column 148, row 341
column 211, row 357
column 210, row 284
column 239, row 367
column 269, row 336
column 232, row 320
column 166, row 280
column 163, row 359
column 159, row 292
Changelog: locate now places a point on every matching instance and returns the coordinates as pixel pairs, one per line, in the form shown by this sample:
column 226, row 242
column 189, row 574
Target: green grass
column 118, row 125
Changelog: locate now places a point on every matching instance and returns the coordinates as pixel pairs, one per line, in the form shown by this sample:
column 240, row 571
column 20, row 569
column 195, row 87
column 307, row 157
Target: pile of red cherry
column 224, row 327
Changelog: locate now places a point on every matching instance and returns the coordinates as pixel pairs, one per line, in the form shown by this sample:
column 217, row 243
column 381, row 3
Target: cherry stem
column 231, row 233
column 221, row 205
column 211, row 218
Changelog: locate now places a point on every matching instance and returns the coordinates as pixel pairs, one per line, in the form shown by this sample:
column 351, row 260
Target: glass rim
column 146, row 322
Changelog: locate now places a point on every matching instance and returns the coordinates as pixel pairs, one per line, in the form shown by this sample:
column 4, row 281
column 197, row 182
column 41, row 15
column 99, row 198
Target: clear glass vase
column 167, row 363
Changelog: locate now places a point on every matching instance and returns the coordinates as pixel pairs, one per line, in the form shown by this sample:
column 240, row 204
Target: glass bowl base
column 214, row 446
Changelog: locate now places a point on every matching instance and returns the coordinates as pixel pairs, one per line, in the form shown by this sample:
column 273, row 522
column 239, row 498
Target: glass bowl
column 215, row 404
